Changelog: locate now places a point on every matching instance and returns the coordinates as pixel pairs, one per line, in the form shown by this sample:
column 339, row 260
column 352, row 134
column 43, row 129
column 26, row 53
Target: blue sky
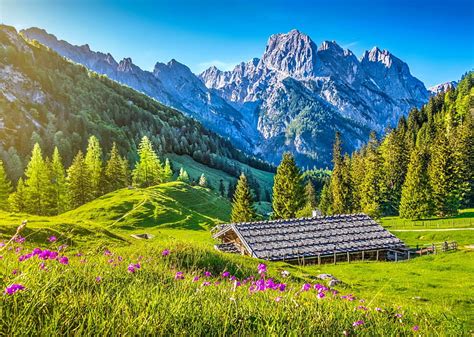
column 435, row 38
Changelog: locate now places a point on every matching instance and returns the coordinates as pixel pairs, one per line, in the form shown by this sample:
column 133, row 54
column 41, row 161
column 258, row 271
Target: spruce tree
column 167, row 171
column 288, row 191
column 310, row 200
column 202, row 181
column 17, row 199
column 79, row 183
column 340, row 180
column 93, row 161
column 395, row 158
column 221, row 188
column 370, row 197
column 58, row 184
column 444, row 192
column 148, row 171
column 5, row 188
column 36, row 183
column 116, row 171
column 242, row 205
column 183, row 175
column 325, row 202
column 416, row 194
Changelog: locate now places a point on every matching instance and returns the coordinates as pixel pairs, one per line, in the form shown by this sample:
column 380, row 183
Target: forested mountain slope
column 48, row 100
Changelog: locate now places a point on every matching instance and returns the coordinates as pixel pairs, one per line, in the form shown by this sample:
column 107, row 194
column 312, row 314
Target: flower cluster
column 133, row 267
column 10, row 290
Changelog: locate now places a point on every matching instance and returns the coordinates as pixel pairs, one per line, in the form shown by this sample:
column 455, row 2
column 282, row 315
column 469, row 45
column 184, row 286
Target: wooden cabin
column 321, row 239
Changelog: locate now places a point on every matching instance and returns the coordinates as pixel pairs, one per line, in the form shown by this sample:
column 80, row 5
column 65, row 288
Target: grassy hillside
column 432, row 293
column 195, row 169
column 166, row 211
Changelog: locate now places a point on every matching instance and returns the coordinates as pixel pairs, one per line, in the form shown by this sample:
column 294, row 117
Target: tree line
column 421, row 168
column 48, row 188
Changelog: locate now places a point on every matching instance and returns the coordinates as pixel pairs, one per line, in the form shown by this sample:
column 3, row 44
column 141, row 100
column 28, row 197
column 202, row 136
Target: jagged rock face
column 359, row 95
column 442, row 87
column 172, row 84
column 293, row 98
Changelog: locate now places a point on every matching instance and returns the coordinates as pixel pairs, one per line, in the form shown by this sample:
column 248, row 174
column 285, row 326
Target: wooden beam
column 363, row 252
column 348, row 258
column 334, row 257
column 377, row 254
column 319, row 259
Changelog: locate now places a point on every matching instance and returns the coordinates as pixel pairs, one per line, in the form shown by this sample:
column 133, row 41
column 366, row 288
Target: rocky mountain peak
column 126, row 65
column 293, row 54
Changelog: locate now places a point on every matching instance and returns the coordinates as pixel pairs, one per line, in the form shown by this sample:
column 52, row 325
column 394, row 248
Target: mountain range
column 294, row 98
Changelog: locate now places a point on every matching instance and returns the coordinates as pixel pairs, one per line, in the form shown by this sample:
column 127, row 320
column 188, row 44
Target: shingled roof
column 310, row 237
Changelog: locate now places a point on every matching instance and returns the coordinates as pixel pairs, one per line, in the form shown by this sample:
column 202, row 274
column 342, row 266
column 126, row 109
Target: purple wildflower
column 10, row 290
column 20, row 239
column 98, row 279
column 165, row 252
column 207, row 274
column 42, row 265
column 2, row 244
column 131, row 268
column 378, row 309
column 196, row 278
column 362, row 307
column 416, row 328
column 225, row 274
column 15, row 271
column 107, row 252
column 63, row 260
column 398, row 315
column 321, row 295
column 357, row 323
column 262, row 268
column 179, row 276
column 52, row 238
column 206, row 284
column 306, row 287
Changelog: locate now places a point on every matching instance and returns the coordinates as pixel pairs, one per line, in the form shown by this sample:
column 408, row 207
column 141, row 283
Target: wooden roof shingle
column 310, row 237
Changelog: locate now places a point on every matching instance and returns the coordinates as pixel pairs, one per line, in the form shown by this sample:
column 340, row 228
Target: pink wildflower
column 357, row 323
column 225, row 274
column 207, row 274
column 196, row 278
column 52, row 238
column 416, row 328
column 278, row 299
column 262, row 268
column 63, row 260
column 321, row 295
column 179, row 276
column 306, row 287
column 165, row 252
column 10, row 290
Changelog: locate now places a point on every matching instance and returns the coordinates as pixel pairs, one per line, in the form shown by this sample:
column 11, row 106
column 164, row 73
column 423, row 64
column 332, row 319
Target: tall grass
column 94, row 294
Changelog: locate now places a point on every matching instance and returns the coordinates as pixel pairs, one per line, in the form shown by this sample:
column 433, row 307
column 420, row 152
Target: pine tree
column 36, row 183
column 340, row 180
column 242, row 205
column 444, row 192
column 325, row 203
column 395, row 158
column 288, row 191
column 310, row 201
column 202, row 181
column 148, row 171
column 5, row 188
column 17, row 199
column 221, row 188
column 116, row 171
column 183, row 175
column 231, row 190
column 370, row 198
column 93, row 161
column 79, row 183
column 58, row 184
column 167, row 171
column 416, row 194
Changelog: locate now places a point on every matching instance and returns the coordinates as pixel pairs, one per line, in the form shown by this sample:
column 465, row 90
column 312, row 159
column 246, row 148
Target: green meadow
column 95, row 294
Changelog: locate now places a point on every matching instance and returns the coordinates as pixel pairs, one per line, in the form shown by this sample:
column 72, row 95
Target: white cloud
column 350, row 44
